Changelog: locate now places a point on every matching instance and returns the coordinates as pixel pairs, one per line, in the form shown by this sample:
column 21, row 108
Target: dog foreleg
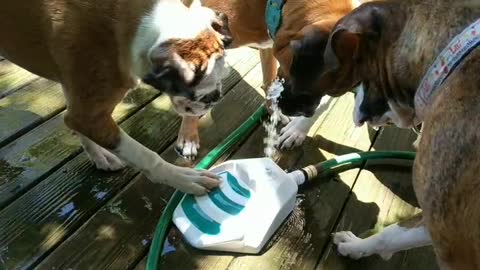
column 269, row 67
column 295, row 132
column 100, row 130
column 101, row 157
column 394, row 238
column 188, row 141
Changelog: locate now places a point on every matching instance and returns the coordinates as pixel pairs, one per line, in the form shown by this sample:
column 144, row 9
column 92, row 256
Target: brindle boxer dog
column 417, row 63
column 98, row 50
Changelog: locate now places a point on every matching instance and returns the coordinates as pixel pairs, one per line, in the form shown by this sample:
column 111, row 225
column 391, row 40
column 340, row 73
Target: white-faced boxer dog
column 419, row 61
column 281, row 30
column 98, row 50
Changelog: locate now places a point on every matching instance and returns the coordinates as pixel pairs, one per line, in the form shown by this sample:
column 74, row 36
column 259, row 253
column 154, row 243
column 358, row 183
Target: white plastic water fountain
column 255, row 197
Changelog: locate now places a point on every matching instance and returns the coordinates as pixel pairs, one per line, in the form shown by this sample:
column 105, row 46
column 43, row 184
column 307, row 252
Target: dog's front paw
column 104, row 160
column 294, row 133
column 197, row 182
column 188, row 145
column 351, row 246
column 188, row 141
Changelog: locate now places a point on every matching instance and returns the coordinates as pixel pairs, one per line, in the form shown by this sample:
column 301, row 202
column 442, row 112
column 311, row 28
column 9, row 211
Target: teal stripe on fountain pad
column 233, row 182
column 223, row 202
column 198, row 218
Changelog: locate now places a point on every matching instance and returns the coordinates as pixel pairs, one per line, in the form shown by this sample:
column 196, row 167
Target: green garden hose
column 166, row 217
column 339, row 163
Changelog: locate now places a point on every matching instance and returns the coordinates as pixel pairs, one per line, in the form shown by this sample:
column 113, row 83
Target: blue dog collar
column 273, row 16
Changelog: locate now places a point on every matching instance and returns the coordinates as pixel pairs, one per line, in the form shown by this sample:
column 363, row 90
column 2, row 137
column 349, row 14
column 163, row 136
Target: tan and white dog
column 98, row 50
column 419, row 61
column 305, row 24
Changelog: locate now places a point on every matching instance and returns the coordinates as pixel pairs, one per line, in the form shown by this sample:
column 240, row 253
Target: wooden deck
column 58, row 212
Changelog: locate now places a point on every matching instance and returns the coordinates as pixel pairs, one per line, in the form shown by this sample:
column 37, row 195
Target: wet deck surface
column 58, row 212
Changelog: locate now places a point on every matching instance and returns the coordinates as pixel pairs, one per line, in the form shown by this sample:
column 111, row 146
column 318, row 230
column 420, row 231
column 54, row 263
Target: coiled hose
column 339, row 163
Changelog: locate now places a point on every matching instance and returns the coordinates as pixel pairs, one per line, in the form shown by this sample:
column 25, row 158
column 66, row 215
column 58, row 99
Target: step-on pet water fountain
column 255, row 197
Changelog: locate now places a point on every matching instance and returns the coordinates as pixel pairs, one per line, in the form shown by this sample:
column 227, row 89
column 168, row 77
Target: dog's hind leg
column 394, row 238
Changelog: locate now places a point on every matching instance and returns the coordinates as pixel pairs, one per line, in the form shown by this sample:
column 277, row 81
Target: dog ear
column 220, row 25
column 192, row 3
column 169, row 71
column 361, row 27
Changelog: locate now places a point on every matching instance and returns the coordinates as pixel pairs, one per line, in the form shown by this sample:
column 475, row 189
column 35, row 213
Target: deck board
column 13, row 77
column 299, row 242
column 58, row 205
column 58, row 212
column 30, row 158
column 40, row 219
column 390, row 189
column 29, row 107
column 133, row 232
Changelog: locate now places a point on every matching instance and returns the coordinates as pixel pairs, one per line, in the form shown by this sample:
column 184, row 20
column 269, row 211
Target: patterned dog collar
column 444, row 64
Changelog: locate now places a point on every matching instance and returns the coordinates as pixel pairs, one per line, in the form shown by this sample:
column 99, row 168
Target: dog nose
column 227, row 40
column 222, row 16
column 307, row 114
column 362, row 118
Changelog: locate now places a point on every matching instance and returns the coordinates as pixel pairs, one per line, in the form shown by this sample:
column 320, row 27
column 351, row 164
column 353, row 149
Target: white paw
column 197, row 182
column 188, row 145
column 295, row 132
column 104, row 160
column 351, row 246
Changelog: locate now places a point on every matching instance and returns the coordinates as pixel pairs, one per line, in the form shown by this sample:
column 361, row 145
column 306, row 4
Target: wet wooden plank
column 38, row 221
column 13, row 77
column 29, row 107
column 142, row 265
column 34, row 224
column 299, row 241
column 28, row 159
column 389, row 190
column 142, row 202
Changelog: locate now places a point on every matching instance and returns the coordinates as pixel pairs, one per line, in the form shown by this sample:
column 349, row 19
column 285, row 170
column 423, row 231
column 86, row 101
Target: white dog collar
column 444, row 64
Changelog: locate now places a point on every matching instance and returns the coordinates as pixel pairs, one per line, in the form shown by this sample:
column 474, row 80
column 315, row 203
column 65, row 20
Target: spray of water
column 271, row 140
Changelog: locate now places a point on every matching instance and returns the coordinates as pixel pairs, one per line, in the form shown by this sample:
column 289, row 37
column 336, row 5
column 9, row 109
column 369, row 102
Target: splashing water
column 271, row 126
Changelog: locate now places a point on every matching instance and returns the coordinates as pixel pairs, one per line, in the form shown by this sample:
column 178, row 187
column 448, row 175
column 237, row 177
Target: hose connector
column 298, row 176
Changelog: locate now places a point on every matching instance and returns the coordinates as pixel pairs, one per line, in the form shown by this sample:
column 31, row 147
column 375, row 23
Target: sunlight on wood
column 105, row 232
column 163, row 103
column 53, row 233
